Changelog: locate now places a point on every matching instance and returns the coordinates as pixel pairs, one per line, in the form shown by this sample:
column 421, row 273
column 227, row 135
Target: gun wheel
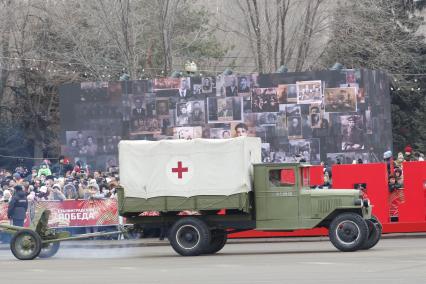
column 49, row 250
column 25, row 245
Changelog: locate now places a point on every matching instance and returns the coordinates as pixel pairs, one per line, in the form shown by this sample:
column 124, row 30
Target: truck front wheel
column 190, row 236
column 218, row 241
column 348, row 232
column 375, row 233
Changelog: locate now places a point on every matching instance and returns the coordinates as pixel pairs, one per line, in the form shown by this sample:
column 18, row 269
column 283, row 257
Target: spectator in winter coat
column 56, row 194
column 31, row 205
column 393, row 184
column 387, row 157
column 44, row 170
column 18, row 178
column 6, row 196
column 409, row 154
column 32, row 176
column 398, row 176
column 43, row 193
column 18, row 206
column 70, row 191
column 399, row 160
column 62, row 167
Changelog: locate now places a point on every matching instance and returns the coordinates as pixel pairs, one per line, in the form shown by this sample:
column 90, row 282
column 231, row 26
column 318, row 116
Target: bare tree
column 305, row 37
column 5, row 39
column 275, row 38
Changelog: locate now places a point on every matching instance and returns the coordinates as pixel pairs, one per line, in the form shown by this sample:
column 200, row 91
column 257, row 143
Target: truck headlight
column 358, row 202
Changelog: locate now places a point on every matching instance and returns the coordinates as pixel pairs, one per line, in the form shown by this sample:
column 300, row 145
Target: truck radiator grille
column 326, row 205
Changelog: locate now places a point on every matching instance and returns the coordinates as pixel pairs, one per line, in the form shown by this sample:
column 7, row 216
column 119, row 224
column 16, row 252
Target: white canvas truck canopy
column 188, row 167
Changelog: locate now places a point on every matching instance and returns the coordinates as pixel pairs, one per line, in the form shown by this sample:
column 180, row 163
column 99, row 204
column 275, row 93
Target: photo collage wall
column 330, row 116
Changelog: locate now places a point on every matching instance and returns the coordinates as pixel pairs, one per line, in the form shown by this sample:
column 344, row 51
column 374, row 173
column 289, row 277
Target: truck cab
column 284, row 199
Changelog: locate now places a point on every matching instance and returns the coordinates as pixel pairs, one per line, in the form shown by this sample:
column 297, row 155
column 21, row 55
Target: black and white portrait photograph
column 340, row 99
column 293, row 110
column 267, row 118
column 138, row 112
column 197, row 114
column 220, row 133
column 207, row 85
column 183, row 111
column 224, row 110
column 244, row 84
column 220, row 85
column 185, row 88
column 264, row 100
column 231, row 86
column 352, row 132
column 151, row 125
column 309, row 92
column 294, row 127
column 282, row 94
column 162, row 107
column 266, row 153
column 301, row 149
column 197, row 89
column 187, row 133
column 291, row 93
column 315, row 116
column 281, row 129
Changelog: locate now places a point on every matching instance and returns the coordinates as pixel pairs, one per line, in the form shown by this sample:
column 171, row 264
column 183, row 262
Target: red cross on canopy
column 180, row 169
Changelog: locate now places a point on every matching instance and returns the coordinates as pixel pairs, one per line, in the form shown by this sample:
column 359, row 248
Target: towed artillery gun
column 179, row 187
column 41, row 241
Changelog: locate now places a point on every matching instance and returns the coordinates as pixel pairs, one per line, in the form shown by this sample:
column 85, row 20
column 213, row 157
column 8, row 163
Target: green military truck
column 181, row 186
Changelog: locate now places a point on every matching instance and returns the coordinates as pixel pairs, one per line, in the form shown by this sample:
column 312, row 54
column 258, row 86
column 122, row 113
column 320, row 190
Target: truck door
column 282, row 206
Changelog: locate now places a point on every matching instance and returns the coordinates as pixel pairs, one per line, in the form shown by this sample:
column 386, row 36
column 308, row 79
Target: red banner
column 75, row 213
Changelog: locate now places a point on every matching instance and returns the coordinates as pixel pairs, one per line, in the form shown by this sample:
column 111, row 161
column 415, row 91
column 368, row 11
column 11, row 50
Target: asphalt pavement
column 393, row 260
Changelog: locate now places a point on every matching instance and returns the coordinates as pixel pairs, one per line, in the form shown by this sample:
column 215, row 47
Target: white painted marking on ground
column 319, row 263
column 127, row 268
column 37, row 270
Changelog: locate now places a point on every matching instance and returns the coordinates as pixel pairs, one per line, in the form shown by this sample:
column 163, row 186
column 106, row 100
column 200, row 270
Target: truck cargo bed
column 132, row 205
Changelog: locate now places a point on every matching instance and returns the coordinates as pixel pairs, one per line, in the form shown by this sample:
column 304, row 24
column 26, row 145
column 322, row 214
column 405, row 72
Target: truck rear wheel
column 190, row 236
column 348, row 232
column 375, row 233
column 218, row 241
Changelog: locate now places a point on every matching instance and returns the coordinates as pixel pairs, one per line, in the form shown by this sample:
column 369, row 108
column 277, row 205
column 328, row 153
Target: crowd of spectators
column 59, row 181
